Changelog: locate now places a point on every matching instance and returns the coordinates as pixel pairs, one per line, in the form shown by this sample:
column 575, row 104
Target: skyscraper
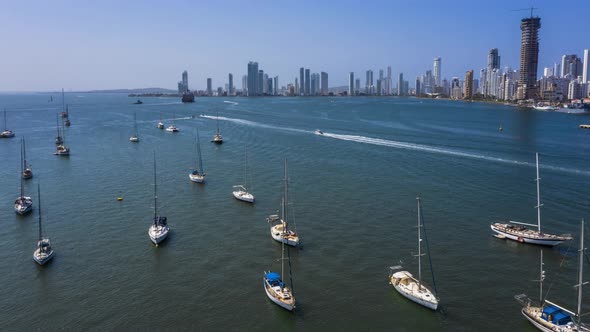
column 351, row 84
column 307, row 83
column 276, row 86
column 324, row 83
column 400, row 85
column 313, row 84
column 418, row 86
column 252, row 79
column 468, row 85
column 437, row 71
column 357, row 86
column 244, row 84
column 571, row 65
column 388, row 81
column 209, row 87
column 529, row 57
column 586, row 67
column 230, row 88
column 369, row 83
column 491, row 83
column 185, row 79
column 265, row 87
column 260, row 81
column 301, row 81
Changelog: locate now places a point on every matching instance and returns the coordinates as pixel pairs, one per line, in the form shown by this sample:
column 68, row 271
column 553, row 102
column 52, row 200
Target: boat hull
column 248, row 198
column 274, row 299
column 41, row 259
column 277, row 235
column 428, row 304
column 197, row 178
column 543, row 241
column 158, row 236
column 538, row 325
column 134, row 139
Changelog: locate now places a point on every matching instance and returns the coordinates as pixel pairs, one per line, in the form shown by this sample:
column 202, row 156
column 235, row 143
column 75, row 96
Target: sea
column 352, row 200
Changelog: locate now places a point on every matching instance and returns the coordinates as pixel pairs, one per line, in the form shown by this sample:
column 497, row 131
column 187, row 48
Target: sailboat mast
column 135, row 123
column 541, row 278
column 217, row 122
column 22, row 193
column 24, row 155
column 39, row 197
column 245, row 165
column 200, row 161
column 5, row 127
column 419, row 246
column 57, row 123
column 155, row 191
column 283, row 254
column 286, row 199
column 580, row 272
column 538, row 197
column 63, row 100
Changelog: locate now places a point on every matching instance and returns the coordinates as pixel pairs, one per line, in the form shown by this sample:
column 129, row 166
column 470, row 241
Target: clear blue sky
column 82, row 45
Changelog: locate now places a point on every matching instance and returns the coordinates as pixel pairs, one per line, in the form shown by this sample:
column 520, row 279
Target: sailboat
column 44, row 251
column 64, row 112
column 6, row 133
column 548, row 316
column 160, row 124
column 67, row 122
column 135, row 137
column 159, row 229
column 198, row 175
column 520, row 233
column 279, row 225
column 62, row 149
column 172, row 128
column 23, row 204
column 240, row 192
column 27, row 172
column 58, row 139
column 217, row 139
column 406, row 284
column 276, row 290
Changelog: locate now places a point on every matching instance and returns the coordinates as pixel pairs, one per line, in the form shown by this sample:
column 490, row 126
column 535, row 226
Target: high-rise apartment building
column 183, row 84
column 244, row 84
column 324, row 83
column 307, row 83
column 388, row 81
column 351, row 90
column 571, row 66
column 252, row 79
column 400, row 85
column 357, row 86
column 301, row 81
column 369, row 83
column 529, row 57
column 468, row 85
column 275, row 86
column 260, row 81
column 437, row 71
column 491, row 83
column 313, row 84
column 586, row 67
column 209, row 87
column 418, row 91
column 230, row 87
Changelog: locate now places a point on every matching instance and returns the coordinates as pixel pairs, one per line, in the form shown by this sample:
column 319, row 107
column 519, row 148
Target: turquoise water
column 352, row 193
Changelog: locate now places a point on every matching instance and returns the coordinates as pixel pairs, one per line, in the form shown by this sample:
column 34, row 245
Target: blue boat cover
column 561, row 318
column 273, row 276
column 550, row 310
column 558, row 317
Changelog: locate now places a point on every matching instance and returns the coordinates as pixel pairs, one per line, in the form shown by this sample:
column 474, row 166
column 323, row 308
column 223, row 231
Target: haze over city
column 135, row 44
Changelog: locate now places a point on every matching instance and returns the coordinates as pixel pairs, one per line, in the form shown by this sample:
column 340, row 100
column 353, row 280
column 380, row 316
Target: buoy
column 119, row 199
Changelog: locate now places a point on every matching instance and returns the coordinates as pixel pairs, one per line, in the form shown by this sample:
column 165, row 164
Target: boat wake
column 432, row 149
column 256, row 124
column 230, row 102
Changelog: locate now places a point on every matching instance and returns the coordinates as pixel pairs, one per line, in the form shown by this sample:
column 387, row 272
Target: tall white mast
column 538, row 179
column 580, row 272
column 419, row 245
column 541, row 278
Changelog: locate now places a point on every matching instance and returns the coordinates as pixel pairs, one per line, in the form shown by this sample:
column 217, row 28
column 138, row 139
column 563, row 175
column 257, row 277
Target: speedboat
column 319, row 132
column 243, row 195
column 23, row 205
column 134, row 139
column 7, row 133
column 277, row 291
column 172, row 129
column 138, row 102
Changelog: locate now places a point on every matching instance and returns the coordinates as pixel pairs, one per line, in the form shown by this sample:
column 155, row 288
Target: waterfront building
column 324, row 84
column 437, row 71
column 571, row 66
column 491, row 80
column 456, row 92
column 209, row 87
column 547, row 72
column 586, row 67
column 307, row 83
column 556, row 69
column 529, row 57
column 252, row 85
column 357, row 86
column 369, row 83
column 313, row 84
column 388, row 81
column 183, row 84
column 260, row 81
column 301, row 81
column 418, row 89
column 276, row 86
column 296, row 88
column 574, row 91
column 400, row 85
column 244, row 84
column 468, row 85
column 265, row 89
column 230, row 86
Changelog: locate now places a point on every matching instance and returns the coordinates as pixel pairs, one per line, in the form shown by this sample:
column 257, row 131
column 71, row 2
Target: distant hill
column 134, row 91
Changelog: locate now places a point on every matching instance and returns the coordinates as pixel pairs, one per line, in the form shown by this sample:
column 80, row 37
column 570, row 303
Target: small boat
column 159, row 229
column 58, row 139
column 67, row 122
column 198, row 175
column 44, row 251
column 276, row 290
column 521, row 233
column 406, row 284
column 138, row 102
column 172, row 128
column 542, row 107
column 160, row 124
column 62, row 149
column 188, row 97
column 240, row 192
column 23, row 204
column 319, row 132
column 217, row 139
column 500, row 129
column 584, row 126
column 6, row 133
column 135, row 137
column 27, row 172
column 279, row 225
column 548, row 316
column 64, row 112
column 499, row 236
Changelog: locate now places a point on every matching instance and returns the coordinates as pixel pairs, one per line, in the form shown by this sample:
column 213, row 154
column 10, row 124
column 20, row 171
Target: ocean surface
column 352, row 193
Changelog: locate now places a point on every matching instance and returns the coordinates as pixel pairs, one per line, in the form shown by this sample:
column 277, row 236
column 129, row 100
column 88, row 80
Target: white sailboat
column 160, row 124
column 217, row 139
column 44, row 251
column 23, row 204
column 240, row 192
column 519, row 232
column 6, row 133
column 198, row 175
column 27, row 172
column 276, row 290
column 135, row 137
column 159, row 229
column 407, row 285
column 67, row 122
column 550, row 317
column 64, row 112
column 58, row 139
column 279, row 225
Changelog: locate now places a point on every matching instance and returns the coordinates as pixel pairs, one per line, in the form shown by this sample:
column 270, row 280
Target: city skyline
column 67, row 45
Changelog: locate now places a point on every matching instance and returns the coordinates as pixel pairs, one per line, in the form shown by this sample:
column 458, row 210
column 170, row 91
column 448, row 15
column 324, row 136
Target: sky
column 89, row 45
